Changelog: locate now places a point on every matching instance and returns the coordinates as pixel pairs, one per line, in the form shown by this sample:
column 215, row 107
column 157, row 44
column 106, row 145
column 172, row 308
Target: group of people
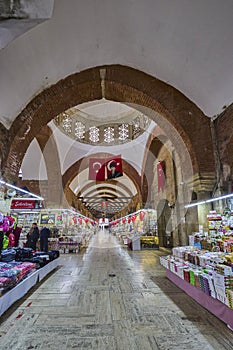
column 35, row 234
column 10, row 238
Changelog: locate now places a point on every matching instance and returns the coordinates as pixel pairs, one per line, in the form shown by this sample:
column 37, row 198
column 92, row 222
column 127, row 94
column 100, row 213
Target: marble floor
column 109, row 298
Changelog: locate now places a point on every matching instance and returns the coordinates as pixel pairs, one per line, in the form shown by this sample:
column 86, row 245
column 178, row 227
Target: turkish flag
column 114, row 167
column 104, row 204
column 97, row 169
column 161, row 176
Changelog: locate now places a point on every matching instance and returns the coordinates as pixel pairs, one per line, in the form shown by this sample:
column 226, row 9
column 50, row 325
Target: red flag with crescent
column 161, row 176
column 97, row 169
column 114, row 167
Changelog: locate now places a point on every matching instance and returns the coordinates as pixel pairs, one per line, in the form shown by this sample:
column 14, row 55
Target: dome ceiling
column 104, row 123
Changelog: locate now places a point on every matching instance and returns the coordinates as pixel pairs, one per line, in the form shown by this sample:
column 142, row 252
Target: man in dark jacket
column 44, row 235
column 33, row 236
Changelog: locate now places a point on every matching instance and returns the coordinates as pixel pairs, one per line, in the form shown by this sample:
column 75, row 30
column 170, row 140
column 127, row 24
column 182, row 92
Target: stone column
column 203, row 186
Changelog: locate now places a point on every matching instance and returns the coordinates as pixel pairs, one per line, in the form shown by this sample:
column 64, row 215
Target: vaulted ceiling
column 186, row 44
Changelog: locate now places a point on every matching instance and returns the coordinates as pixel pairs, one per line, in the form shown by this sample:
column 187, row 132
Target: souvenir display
column 212, row 272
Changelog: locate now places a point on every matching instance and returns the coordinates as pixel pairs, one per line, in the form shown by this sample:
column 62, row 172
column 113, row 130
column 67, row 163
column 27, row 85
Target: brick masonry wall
column 224, row 134
column 180, row 120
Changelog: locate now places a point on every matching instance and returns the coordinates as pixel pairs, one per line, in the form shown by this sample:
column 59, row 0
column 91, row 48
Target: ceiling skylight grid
column 79, row 130
column 109, row 135
column 82, row 128
column 123, row 132
column 94, row 134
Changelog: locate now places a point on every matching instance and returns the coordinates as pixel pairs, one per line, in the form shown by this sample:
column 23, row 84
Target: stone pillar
column 203, row 209
column 203, row 186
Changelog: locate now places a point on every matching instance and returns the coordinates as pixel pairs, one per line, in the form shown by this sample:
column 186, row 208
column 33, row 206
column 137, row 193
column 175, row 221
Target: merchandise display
column 21, row 271
column 70, row 232
column 149, row 242
column 12, row 273
column 137, row 230
column 220, row 232
column 209, row 272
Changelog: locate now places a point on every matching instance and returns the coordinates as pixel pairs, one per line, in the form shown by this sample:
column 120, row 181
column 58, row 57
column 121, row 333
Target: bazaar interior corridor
column 109, row 298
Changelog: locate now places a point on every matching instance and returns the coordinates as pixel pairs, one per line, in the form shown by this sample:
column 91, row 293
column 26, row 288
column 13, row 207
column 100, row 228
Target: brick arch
column 122, row 84
column 47, row 143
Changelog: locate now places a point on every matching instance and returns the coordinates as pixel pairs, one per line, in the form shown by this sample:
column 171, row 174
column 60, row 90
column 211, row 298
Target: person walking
column 44, row 238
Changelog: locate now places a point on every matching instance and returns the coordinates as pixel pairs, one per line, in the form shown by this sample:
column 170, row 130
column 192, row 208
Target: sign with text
column 22, row 204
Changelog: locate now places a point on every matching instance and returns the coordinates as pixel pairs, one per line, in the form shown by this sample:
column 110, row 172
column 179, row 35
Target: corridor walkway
column 109, row 298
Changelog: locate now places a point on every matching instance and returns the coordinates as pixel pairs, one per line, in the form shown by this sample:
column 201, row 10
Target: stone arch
column 122, row 84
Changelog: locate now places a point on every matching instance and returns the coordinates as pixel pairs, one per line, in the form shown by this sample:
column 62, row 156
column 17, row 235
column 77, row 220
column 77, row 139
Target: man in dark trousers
column 33, row 236
column 44, row 237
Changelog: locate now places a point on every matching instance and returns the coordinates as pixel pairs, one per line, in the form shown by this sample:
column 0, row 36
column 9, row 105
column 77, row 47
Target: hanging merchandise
column 133, row 217
column 5, row 241
column 142, row 214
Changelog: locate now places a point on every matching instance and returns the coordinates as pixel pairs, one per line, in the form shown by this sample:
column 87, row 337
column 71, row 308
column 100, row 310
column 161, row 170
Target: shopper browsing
column 44, row 237
column 33, row 236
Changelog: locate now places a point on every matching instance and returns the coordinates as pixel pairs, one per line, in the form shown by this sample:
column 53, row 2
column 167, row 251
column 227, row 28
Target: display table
column 45, row 270
column 16, row 293
column 134, row 242
column 216, row 307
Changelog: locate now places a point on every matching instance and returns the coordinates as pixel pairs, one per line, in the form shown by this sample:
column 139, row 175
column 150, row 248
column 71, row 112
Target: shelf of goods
column 149, row 242
column 68, row 244
column 65, row 244
column 220, row 234
column 206, row 276
column 24, row 284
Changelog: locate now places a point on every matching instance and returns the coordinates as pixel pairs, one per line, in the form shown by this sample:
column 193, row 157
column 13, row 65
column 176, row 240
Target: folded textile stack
column 8, row 254
column 26, row 268
column 6, row 283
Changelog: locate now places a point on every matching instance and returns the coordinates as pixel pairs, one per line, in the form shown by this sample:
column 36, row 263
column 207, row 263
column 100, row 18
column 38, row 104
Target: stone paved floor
column 109, row 298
